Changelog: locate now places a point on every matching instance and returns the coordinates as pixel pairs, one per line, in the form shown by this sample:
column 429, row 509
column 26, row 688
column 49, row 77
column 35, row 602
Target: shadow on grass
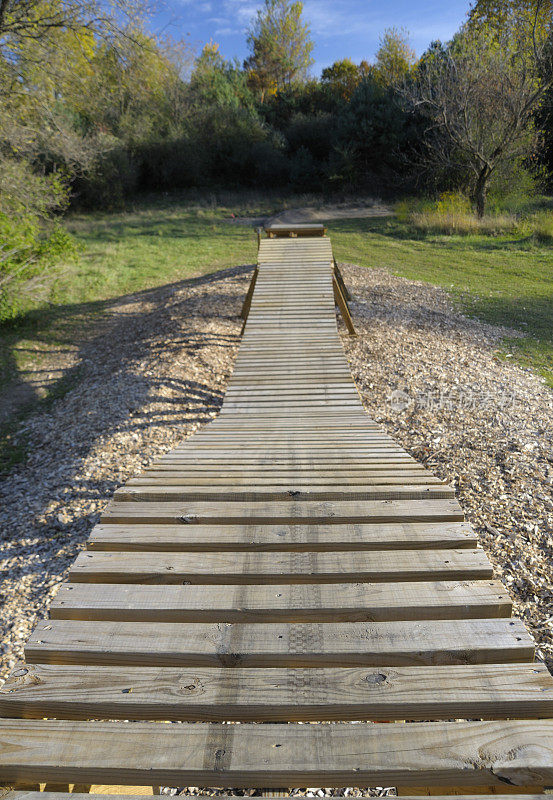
column 532, row 316
column 514, row 292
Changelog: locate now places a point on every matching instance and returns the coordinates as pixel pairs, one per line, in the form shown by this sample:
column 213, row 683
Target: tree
column 280, row 45
column 375, row 128
column 394, row 58
column 479, row 96
column 37, row 19
column 342, row 77
column 500, row 12
column 215, row 81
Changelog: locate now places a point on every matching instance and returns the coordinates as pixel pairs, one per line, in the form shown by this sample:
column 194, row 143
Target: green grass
column 154, row 243
column 504, row 280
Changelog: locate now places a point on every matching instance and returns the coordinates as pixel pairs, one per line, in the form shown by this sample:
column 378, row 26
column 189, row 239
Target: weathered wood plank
column 238, row 568
column 280, row 645
column 219, row 538
column 391, row 489
column 359, row 602
column 316, row 512
column 458, row 753
column 216, row 694
column 18, row 794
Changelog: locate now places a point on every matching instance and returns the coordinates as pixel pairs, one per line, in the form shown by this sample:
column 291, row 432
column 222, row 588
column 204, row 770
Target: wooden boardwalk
column 290, row 563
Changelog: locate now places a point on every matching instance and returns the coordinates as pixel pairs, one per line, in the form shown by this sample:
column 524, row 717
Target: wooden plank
column 272, row 755
column 290, row 513
column 190, row 538
column 282, row 537
column 216, row 694
column 260, row 476
column 251, row 568
column 383, row 490
column 283, row 603
column 280, row 645
column 305, row 229
column 363, row 459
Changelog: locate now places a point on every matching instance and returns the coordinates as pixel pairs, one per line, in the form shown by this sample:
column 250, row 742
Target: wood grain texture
column 17, row 794
column 458, row 753
column 280, row 644
column 290, row 512
column 246, row 694
column 244, row 568
column 219, row 538
column 349, row 602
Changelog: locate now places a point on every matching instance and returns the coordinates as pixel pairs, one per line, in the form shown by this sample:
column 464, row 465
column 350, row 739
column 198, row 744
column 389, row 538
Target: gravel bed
column 432, row 377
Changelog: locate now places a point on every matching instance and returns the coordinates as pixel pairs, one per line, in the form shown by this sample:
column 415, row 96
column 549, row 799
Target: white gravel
column 154, row 371
column 482, row 423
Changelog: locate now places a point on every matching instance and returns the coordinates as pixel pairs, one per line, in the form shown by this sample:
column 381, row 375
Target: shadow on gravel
column 149, row 370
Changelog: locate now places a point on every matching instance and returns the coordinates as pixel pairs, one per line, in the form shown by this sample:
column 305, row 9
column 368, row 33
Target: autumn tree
column 280, row 47
column 216, row 81
column 479, row 96
column 394, row 58
column 38, row 19
column 343, row 77
column 501, row 12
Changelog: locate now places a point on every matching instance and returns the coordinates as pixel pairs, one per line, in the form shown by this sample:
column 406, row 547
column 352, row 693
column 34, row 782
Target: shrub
column 304, row 175
column 29, row 246
column 113, row 177
column 542, row 225
column 452, row 214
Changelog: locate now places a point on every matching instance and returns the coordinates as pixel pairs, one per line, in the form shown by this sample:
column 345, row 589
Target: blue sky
column 339, row 28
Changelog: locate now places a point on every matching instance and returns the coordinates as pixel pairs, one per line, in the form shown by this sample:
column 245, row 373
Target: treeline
column 467, row 115
column 93, row 109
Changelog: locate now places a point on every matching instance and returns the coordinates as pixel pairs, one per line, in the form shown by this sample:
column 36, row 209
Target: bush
column 542, row 227
column 110, row 181
column 29, row 246
column 315, row 133
column 270, row 165
column 171, row 164
column 452, row 214
column 304, row 175
column 27, row 255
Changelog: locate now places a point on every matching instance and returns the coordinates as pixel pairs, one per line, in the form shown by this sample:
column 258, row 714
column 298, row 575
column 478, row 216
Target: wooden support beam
column 343, row 306
column 341, row 283
column 248, row 301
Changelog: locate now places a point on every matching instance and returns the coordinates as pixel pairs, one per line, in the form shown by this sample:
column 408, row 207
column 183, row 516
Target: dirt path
column 325, row 213
column 330, row 212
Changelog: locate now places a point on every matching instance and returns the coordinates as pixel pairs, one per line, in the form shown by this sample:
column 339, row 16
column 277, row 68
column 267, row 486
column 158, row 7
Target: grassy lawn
column 503, row 280
column 157, row 242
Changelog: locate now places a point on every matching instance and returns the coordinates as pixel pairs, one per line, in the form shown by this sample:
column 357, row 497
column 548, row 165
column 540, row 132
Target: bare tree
column 480, row 94
column 35, row 19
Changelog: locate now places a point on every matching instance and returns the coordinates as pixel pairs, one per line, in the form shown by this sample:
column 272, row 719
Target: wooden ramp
column 289, row 564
